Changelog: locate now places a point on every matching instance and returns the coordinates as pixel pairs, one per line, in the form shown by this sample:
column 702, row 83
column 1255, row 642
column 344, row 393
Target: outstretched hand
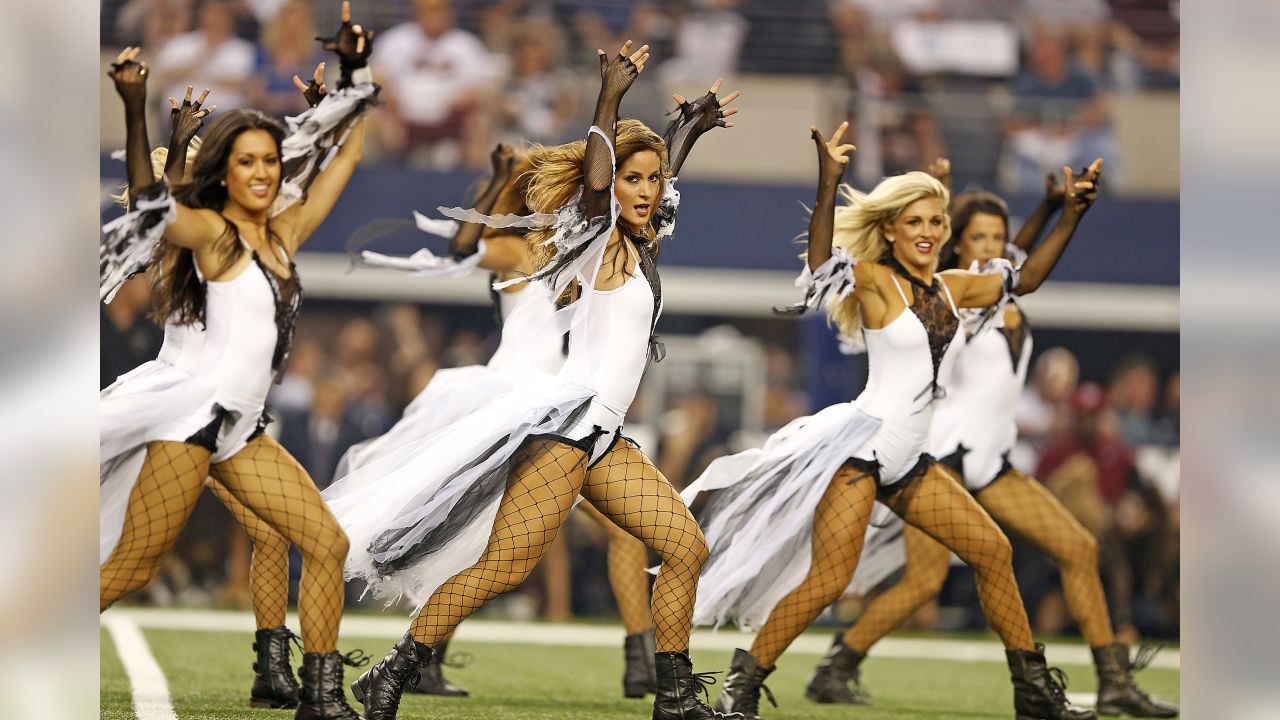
column 351, row 43
column 832, row 156
column 1080, row 193
column 314, row 91
column 707, row 112
column 941, row 170
column 616, row 75
column 503, row 160
column 1054, row 191
column 129, row 74
column 186, row 118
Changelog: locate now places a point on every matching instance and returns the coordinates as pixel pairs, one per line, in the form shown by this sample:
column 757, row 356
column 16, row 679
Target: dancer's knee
column 1081, row 552
column 690, row 552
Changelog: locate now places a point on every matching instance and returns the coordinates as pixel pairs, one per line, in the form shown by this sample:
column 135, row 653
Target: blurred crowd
column 1108, row 451
column 1009, row 89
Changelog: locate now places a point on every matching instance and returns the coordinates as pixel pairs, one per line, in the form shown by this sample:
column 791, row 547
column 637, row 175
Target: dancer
column 197, row 410
column 973, row 432
column 453, row 393
column 465, row 514
column 787, row 527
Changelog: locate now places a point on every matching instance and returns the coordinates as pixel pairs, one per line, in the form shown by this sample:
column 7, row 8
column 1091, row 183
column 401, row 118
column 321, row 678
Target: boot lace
column 751, row 703
column 1146, row 653
column 355, row 658
column 702, row 682
column 458, row 660
column 1056, row 681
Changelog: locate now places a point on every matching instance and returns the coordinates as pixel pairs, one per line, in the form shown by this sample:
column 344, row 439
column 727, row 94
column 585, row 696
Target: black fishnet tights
column 269, row 567
column 839, row 527
column 171, row 479
column 628, row 576
column 628, row 489
column 926, row 570
column 274, row 486
column 545, row 481
column 937, row 504
column 1025, row 507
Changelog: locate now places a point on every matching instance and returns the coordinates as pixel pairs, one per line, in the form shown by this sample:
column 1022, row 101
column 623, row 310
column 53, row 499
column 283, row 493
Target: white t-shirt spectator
column 427, row 75
column 223, row 69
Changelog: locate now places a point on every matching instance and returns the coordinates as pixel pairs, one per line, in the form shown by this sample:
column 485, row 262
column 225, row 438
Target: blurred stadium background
column 1007, row 89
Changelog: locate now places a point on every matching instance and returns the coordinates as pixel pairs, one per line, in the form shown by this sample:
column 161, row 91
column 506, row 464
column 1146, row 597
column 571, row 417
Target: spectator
column 297, row 388
column 288, row 48
column 893, row 126
column 1134, row 391
column 1059, row 118
column 209, row 57
column 318, row 436
column 435, row 78
column 539, row 102
column 1042, row 408
column 707, row 41
column 152, row 23
column 1169, row 425
column 128, row 337
column 1084, row 24
column 1147, row 35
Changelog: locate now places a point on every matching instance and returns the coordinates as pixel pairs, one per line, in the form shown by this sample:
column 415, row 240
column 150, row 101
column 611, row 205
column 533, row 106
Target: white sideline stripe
column 392, row 627
column 750, row 293
column 150, row 689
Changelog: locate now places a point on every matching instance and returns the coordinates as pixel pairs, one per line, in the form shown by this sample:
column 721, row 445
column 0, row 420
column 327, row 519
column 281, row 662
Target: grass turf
column 209, row 676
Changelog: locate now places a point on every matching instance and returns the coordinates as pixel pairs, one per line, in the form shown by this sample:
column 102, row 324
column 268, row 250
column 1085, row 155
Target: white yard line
column 392, row 627
column 150, row 689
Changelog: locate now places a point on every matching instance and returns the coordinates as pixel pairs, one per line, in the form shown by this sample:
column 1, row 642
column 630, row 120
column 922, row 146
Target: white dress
column 759, row 525
column 974, row 425
column 207, row 386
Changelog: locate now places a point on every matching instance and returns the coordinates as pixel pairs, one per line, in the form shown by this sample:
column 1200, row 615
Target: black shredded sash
column 287, row 293
column 1016, row 338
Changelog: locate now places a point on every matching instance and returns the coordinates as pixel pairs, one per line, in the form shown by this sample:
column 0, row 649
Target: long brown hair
column 177, row 293
column 555, row 176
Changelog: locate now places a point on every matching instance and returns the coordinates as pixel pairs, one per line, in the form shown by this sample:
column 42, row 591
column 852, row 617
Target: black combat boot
column 640, row 676
column 1039, row 691
column 1118, row 693
column 431, row 680
column 321, row 696
column 742, row 686
column 274, row 685
column 678, row 688
column 831, row 680
column 379, row 689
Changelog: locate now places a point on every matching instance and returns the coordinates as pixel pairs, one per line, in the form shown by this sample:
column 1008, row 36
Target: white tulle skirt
column 759, row 525
column 418, row 514
column 156, row 401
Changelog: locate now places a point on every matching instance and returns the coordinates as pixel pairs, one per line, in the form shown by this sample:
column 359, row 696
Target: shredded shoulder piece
column 425, row 263
column 127, row 244
column 312, row 140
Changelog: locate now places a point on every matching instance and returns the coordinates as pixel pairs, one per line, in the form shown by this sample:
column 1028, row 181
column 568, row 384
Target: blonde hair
column 860, row 229
column 554, row 177
column 159, row 156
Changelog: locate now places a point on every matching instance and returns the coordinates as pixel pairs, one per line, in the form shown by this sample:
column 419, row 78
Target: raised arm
column 695, row 119
column 466, row 240
column 352, row 44
column 1039, row 218
column 1079, row 197
column 832, row 159
column 186, row 119
column 616, row 77
column 983, row 290
column 191, row 228
column 130, row 77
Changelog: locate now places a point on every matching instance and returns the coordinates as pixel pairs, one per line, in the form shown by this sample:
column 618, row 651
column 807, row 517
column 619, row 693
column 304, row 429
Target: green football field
column 209, row 674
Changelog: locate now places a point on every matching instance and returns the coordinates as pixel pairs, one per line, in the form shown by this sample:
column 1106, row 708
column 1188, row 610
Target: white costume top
column 899, row 390
column 233, row 347
column 608, row 352
column 978, row 411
